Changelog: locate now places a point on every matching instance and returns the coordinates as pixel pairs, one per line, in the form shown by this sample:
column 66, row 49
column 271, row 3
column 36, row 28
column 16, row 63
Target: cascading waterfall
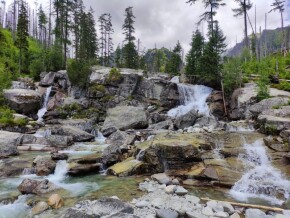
column 262, row 180
column 17, row 209
column 43, row 110
column 99, row 137
column 191, row 97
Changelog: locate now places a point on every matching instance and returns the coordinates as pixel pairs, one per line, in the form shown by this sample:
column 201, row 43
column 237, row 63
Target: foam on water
column 17, row 209
column 43, row 110
column 191, row 97
column 262, row 180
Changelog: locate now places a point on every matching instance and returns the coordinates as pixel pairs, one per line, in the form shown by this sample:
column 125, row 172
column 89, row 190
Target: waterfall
column 17, row 209
column 262, row 180
column 43, row 110
column 191, row 97
column 42, row 133
column 99, row 137
column 140, row 155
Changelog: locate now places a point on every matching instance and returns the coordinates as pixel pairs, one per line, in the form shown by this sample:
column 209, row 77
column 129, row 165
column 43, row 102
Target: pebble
column 235, row 215
column 166, row 213
column 142, row 204
column 207, row 211
column 181, row 191
column 170, row 189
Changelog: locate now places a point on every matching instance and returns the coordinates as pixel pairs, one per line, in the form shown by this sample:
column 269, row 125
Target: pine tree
column 212, row 57
column 278, row 5
column 193, row 67
column 42, row 21
column 213, row 5
column 63, row 24
column 174, row 64
column 130, row 52
column 22, row 37
column 244, row 6
column 118, row 57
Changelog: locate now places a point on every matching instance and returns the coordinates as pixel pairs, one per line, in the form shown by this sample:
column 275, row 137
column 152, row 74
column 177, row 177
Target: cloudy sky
column 163, row 22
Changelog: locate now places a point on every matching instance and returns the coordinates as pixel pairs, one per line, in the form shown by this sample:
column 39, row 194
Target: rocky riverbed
column 80, row 147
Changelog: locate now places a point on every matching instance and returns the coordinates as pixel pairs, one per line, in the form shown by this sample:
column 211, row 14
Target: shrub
column 97, row 88
column 78, row 72
column 7, row 118
column 114, row 76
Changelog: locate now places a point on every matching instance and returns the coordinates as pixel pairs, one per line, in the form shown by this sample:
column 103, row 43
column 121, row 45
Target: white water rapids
column 43, row 110
column 191, row 97
column 262, row 180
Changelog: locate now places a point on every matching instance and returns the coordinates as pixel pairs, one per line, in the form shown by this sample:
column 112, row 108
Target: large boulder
column 77, row 134
column 216, row 104
column 29, row 186
column 8, row 144
column 173, row 151
column 44, row 165
column 24, row 101
column 121, row 138
column 128, row 167
column 267, row 104
column 241, row 99
column 59, row 79
column 186, row 120
column 126, row 117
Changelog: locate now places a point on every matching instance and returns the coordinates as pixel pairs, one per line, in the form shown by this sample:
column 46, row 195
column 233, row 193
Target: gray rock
column 170, row 189
column 44, row 165
column 162, row 125
column 250, row 213
column 120, row 138
column 207, row 211
column 195, row 214
column 29, row 186
column 122, row 215
column 126, row 117
column 181, row 191
column 175, row 182
column 267, row 104
column 142, row 204
column 77, row 134
column 227, row 207
column 59, row 156
column 39, row 208
column 186, row 120
column 162, row 178
column 235, row 215
column 8, row 144
column 111, row 155
column 23, row 101
column 241, row 100
column 108, row 207
column 166, row 213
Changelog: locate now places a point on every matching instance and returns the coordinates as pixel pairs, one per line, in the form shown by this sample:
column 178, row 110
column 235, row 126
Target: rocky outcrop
column 273, row 121
column 76, row 169
column 29, row 186
column 104, row 207
column 23, row 101
column 241, row 100
column 124, row 118
column 59, row 79
column 216, row 104
column 44, row 165
column 129, row 167
column 186, row 120
column 8, row 144
column 267, row 104
column 74, row 132
column 120, row 138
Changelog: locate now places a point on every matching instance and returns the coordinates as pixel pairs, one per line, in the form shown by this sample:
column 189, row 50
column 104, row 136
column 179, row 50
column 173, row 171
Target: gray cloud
column 163, row 22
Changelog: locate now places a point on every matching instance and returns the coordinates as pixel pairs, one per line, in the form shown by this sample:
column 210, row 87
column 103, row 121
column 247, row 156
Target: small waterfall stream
column 191, row 97
column 262, row 180
column 43, row 110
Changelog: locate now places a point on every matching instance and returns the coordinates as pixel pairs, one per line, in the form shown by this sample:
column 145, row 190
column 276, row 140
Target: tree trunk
column 246, row 24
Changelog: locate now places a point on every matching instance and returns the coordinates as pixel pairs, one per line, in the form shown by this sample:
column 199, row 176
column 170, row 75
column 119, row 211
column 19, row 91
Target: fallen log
column 261, row 207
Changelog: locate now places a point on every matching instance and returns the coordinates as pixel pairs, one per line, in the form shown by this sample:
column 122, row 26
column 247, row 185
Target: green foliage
column 284, row 85
column 114, row 76
column 78, row 72
column 232, row 75
column 130, row 56
column 7, row 118
column 193, row 58
column 97, row 88
column 263, row 86
column 174, row 64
